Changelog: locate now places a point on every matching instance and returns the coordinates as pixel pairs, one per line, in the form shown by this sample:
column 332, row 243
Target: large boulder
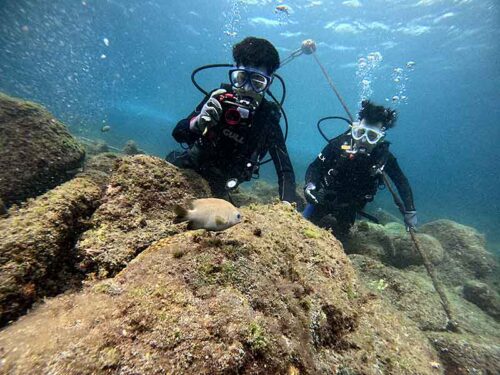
column 391, row 244
column 36, row 245
column 272, row 295
column 482, row 295
column 263, row 192
column 36, row 150
column 465, row 254
column 465, row 354
column 475, row 350
column 137, row 209
column 37, row 255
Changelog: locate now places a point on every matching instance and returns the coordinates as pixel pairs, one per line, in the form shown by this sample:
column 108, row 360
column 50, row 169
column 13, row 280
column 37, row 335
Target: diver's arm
column 397, row 176
column 282, row 163
column 182, row 132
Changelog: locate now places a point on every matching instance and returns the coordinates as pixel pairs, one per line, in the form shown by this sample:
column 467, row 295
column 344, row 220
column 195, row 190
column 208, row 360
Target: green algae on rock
column 234, row 302
column 137, row 210
column 483, row 296
column 391, row 244
column 411, row 292
column 131, row 148
column 262, row 192
column 466, row 255
column 37, row 255
column 36, row 241
column 36, row 150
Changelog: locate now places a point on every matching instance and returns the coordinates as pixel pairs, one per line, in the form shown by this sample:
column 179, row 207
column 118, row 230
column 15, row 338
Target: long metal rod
column 332, row 85
column 452, row 323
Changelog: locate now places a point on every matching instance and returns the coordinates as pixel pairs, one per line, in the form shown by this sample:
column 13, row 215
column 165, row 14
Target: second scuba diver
column 347, row 173
column 233, row 128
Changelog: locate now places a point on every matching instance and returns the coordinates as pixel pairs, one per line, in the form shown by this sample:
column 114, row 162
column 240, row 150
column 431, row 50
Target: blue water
column 127, row 63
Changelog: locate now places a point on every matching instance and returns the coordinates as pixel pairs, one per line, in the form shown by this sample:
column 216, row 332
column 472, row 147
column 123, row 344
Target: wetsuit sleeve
column 318, row 167
column 181, row 132
column 282, row 163
column 397, row 176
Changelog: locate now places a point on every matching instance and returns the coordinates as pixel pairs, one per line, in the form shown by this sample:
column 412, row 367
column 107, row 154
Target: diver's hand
column 410, row 219
column 209, row 115
column 308, row 193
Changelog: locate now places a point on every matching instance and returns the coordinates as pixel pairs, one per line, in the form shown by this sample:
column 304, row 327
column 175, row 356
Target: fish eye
column 238, row 216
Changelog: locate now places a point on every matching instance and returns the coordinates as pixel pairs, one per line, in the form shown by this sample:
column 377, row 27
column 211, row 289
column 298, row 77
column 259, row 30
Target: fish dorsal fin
column 219, row 220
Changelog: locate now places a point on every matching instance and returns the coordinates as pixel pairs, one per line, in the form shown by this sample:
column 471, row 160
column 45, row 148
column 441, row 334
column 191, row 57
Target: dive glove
column 310, row 197
column 410, row 218
column 209, row 115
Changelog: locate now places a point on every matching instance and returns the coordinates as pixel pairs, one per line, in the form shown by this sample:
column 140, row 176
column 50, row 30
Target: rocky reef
column 37, row 255
column 262, row 192
column 95, row 278
column 37, row 152
column 389, row 265
column 273, row 295
column 136, row 209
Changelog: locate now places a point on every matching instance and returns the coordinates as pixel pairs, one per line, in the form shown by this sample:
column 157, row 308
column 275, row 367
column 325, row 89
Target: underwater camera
column 235, row 111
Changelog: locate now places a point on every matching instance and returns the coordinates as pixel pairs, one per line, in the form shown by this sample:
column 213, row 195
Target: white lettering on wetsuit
column 234, row 136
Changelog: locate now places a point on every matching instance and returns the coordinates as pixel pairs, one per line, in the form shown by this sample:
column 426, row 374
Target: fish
column 282, row 8
column 212, row 214
column 105, row 128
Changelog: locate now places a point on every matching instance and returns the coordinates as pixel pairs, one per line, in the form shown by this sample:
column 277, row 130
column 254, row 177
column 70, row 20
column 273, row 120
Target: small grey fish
column 105, row 128
column 209, row 213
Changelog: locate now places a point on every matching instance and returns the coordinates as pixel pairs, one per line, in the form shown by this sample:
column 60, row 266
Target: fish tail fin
column 181, row 214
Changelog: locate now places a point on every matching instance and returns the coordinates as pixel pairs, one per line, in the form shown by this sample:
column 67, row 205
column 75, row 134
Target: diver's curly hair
column 256, row 52
column 372, row 114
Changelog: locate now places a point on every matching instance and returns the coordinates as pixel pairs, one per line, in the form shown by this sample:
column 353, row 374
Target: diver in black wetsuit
column 347, row 173
column 233, row 128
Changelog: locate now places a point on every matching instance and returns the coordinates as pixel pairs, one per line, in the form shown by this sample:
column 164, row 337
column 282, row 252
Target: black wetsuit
column 347, row 182
column 234, row 151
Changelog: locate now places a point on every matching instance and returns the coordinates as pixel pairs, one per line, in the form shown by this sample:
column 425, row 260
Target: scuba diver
column 233, row 127
column 347, row 173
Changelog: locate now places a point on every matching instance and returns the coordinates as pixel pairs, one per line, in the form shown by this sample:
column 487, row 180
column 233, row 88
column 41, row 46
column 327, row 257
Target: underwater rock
column 36, row 243
column 278, row 302
column 100, row 167
column 262, row 192
column 465, row 254
column 137, row 209
column 3, row 209
column 36, row 151
column 385, row 217
column 391, row 244
column 131, row 148
column 465, row 354
column 411, row 292
column 483, row 296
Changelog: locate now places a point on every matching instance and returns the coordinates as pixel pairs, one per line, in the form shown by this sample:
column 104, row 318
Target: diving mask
column 259, row 81
column 366, row 133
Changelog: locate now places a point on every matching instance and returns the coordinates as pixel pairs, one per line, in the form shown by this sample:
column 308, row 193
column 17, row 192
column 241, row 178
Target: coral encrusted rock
column 263, row 297
column 391, row 244
column 37, row 152
column 37, row 255
column 465, row 254
column 36, row 244
column 137, row 209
